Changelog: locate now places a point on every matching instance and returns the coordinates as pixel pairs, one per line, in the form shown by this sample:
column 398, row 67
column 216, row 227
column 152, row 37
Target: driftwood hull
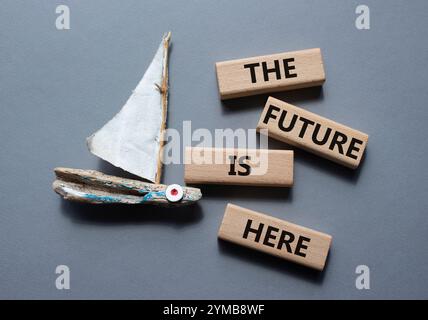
column 92, row 186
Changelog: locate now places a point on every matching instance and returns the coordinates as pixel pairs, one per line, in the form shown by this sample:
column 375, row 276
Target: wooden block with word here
column 313, row 133
column 275, row 236
column 270, row 73
column 258, row 167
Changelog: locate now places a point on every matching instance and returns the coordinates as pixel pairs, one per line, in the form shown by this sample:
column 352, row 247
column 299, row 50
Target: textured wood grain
column 313, row 133
column 270, row 73
column 258, row 167
column 95, row 187
column 275, row 236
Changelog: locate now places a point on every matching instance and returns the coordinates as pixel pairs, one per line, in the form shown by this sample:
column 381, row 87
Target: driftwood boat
column 131, row 140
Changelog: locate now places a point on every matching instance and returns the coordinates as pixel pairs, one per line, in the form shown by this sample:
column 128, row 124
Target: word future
column 258, row 167
column 271, row 73
column 313, row 133
column 274, row 236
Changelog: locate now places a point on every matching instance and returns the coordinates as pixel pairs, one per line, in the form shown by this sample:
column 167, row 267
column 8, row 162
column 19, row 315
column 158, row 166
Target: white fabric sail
column 133, row 138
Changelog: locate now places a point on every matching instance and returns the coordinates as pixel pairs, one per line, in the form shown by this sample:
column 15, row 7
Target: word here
column 274, row 236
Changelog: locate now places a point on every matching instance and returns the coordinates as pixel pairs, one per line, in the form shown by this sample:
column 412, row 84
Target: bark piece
column 95, row 187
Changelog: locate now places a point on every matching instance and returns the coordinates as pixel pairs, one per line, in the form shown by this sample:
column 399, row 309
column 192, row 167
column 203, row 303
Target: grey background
column 57, row 87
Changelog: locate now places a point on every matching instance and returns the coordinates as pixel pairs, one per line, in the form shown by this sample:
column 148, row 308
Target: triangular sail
column 133, row 138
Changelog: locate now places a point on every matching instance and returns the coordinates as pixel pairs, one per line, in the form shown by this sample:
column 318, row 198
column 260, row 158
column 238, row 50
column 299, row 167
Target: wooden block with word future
column 313, row 133
column 258, row 167
column 270, row 73
column 275, row 236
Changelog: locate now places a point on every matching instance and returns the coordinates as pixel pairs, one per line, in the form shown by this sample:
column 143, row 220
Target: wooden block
column 258, row 167
column 313, row 133
column 270, row 73
column 274, row 236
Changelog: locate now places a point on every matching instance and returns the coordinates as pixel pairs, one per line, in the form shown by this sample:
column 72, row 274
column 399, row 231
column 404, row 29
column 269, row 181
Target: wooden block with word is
column 271, row 73
column 274, row 236
column 313, row 133
column 258, row 167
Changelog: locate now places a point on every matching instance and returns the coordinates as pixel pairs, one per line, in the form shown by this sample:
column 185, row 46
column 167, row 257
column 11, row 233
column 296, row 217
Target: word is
column 257, row 167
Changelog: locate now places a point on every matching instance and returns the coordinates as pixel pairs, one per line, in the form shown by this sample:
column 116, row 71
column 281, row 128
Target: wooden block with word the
column 258, row 167
column 313, row 133
column 270, row 73
column 275, row 236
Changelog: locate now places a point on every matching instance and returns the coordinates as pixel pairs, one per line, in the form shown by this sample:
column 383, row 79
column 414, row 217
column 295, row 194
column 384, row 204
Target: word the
column 276, row 69
column 270, row 73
